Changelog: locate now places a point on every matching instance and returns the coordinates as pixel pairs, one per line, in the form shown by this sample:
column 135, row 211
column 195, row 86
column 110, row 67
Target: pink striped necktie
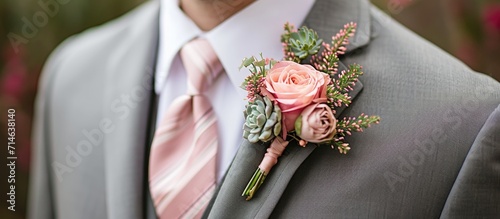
column 182, row 166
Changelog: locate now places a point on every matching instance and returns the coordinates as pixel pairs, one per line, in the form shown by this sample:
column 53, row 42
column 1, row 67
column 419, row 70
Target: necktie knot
column 202, row 65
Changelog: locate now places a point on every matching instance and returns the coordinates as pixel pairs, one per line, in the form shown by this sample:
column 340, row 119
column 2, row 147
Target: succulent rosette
column 262, row 120
column 304, row 42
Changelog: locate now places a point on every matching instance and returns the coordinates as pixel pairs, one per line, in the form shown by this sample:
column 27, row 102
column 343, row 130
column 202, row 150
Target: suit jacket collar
column 326, row 17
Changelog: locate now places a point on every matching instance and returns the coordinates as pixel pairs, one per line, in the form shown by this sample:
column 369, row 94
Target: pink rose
column 316, row 123
column 295, row 86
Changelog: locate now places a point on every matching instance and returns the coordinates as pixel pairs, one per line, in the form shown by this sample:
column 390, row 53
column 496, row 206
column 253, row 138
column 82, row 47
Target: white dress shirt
column 255, row 29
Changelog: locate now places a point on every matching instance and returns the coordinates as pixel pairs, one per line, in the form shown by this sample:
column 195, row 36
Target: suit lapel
column 127, row 103
column 228, row 202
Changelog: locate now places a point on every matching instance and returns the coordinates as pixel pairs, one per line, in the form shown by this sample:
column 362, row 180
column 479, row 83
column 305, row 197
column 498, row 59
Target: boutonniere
column 297, row 98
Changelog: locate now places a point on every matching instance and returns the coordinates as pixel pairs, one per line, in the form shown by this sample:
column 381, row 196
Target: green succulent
column 262, row 120
column 304, row 42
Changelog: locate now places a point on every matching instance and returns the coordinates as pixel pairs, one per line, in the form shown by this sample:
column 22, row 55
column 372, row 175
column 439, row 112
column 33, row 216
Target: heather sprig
column 327, row 60
column 348, row 125
column 288, row 30
column 336, row 98
column 288, row 55
column 337, row 94
column 342, row 146
column 341, row 39
column 258, row 68
column 347, row 79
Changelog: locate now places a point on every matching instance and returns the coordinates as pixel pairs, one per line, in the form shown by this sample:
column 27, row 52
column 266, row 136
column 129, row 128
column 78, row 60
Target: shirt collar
column 255, row 29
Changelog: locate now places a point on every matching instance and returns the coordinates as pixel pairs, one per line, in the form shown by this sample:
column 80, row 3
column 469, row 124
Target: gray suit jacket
column 435, row 154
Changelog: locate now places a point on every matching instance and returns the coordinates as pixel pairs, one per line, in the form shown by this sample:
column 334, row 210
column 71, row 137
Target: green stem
column 253, row 185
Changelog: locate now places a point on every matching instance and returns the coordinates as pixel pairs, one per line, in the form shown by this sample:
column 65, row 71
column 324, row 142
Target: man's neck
column 207, row 14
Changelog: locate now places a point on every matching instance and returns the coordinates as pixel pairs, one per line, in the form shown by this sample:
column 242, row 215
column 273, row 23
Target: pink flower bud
column 316, row 123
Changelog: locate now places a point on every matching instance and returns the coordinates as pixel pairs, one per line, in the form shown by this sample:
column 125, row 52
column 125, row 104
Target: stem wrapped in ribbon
column 270, row 159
